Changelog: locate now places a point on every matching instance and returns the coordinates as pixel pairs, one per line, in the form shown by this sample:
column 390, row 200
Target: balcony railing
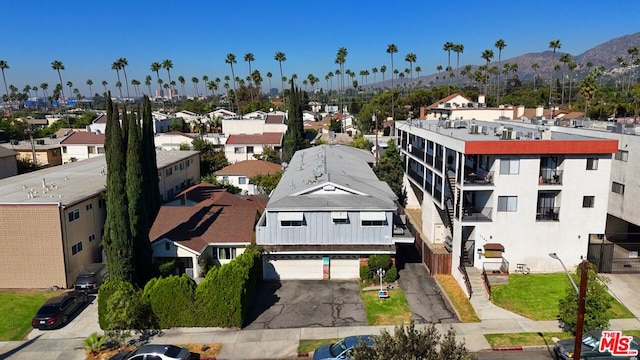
column 548, row 214
column 550, row 177
column 480, row 178
column 438, row 164
column 418, row 177
column 417, row 152
column 496, row 267
column 472, row 214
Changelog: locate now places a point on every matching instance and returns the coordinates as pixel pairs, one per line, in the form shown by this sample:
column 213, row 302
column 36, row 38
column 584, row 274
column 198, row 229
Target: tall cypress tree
column 294, row 138
column 138, row 224
column 117, row 238
column 149, row 163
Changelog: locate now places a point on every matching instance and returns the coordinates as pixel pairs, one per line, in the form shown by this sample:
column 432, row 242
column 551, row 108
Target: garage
column 344, row 267
column 310, row 267
column 292, row 267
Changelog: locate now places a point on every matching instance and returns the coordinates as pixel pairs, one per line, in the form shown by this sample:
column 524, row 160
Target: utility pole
column 375, row 121
column 584, row 276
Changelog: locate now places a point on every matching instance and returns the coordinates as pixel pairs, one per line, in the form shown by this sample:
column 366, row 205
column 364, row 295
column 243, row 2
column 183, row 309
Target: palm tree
column 572, row 65
column 4, row 65
column 487, row 55
column 168, row 65
column 269, row 75
column 458, row 49
column 248, row 57
column 211, row 85
column 439, row 68
column 231, row 59
column 553, row 44
column 123, row 64
column 418, row 70
column 182, row 81
column 341, row 58
column 375, row 72
column 383, row 69
column 155, row 67
column 147, row 81
column 411, row 58
column 27, row 90
column 329, row 78
column 565, row 59
column 535, row 67
column 392, row 49
column 136, row 85
column 44, row 87
column 90, row 83
column 205, row 80
column 500, row 45
column 633, row 54
column 70, row 85
column 117, row 66
column 57, row 66
column 195, row 80
column 280, row 57
column 104, row 84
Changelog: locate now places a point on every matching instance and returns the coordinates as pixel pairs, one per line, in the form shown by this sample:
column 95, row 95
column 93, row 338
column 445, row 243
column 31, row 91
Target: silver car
column 159, row 352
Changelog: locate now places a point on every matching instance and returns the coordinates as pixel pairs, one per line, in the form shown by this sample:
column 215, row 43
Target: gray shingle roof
column 344, row 167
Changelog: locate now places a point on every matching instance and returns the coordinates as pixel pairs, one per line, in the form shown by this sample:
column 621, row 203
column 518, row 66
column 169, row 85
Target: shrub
column 378, row 261
column 120, row 310
column 206, row 263
column 93, row 344
column 365, row 272
column 167, row 268
column 391, row 275
column 171, row 299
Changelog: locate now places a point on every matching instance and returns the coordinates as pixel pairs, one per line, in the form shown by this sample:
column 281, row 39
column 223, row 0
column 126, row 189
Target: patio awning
column 339, row 215
column 373, row 216
column 290, row 216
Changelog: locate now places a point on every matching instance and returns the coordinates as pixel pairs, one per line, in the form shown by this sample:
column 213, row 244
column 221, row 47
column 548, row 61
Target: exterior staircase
column 477, row 284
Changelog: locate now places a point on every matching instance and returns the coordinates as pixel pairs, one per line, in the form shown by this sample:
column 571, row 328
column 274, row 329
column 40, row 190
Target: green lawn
column 392, row 311
column 536, row 296
column 16, row 311
column 307, row 346
column 524, row 339
column 458, row 298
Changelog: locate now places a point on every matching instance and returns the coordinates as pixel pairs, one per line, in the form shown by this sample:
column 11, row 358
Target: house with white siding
column 327, row 215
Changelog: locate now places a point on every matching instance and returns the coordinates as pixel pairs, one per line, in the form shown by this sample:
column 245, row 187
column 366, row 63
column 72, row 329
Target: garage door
column 344, row 267
column 292, row 267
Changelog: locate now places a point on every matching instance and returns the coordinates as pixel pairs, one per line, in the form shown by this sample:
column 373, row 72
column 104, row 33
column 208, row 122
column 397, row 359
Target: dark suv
column 57, row 310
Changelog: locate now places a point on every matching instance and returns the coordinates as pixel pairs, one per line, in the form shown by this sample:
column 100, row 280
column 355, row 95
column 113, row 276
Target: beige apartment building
column 52, row 220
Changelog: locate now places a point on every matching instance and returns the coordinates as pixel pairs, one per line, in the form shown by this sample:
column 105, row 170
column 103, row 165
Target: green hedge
column 171, row 299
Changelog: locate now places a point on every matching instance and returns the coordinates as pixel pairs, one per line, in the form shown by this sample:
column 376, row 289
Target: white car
column 158, row 352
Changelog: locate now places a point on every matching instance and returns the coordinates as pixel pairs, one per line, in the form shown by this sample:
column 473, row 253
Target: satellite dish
column 317, row 172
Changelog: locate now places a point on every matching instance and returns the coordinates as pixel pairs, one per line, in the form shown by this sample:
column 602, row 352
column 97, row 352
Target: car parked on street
column 342, row 348
column 564, row 349
column 56, row 311
column 155, row 352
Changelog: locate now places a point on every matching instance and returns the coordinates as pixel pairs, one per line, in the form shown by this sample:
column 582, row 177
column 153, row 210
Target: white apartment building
column 498, row 194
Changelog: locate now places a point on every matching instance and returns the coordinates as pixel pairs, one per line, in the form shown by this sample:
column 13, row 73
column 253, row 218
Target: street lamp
column 381, row 273
column 582, row 293
column 555, row 256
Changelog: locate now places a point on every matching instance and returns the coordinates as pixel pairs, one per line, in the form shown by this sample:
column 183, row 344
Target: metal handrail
column 465, row 276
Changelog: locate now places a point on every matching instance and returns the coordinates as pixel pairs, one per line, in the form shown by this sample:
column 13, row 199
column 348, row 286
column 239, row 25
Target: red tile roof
column 102, row 119
column 83, row 138
column 250, row 168
column 222, row 218
column 256, row 139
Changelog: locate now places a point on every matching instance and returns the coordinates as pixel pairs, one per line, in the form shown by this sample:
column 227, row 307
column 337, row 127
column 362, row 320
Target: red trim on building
column 534, row 147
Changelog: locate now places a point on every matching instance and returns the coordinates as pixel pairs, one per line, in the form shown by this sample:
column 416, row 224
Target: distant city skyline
column 196, row 36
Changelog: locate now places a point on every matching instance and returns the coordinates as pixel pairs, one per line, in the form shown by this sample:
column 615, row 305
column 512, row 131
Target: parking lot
column 300, row 304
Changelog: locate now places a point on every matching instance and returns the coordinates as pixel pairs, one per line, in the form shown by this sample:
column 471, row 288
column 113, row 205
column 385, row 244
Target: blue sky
column 87, row 36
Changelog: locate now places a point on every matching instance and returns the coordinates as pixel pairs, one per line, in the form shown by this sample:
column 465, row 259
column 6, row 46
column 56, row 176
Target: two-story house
column 327, row 215
column 82, row 145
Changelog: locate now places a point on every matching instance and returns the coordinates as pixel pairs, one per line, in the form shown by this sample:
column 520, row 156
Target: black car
column 57, row 310
column 564, row 349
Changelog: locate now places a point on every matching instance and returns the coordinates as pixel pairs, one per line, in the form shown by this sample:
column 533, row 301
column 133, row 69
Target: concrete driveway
column 625, row 288
column 302, row 304
column 424, row 296
column 82, row 324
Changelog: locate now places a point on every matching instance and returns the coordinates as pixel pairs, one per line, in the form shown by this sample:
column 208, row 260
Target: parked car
column 155, row 352
column 57, row 310
column 342, row 348
column 91, row 277
column 590, row 343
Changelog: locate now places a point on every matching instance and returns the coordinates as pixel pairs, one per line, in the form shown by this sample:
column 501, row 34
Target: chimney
column 539, row 111
column 44, row 183
column 422, row 113
column 519, row 111
column 480, row 98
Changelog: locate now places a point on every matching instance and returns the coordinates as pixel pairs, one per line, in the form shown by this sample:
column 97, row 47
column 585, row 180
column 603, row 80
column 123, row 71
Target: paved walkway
column 624, row 287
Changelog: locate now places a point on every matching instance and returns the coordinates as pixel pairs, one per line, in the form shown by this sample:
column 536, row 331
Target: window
column 225, row 179
column 226, row 253
column 186, row 163
column 291, row 219
column 181, row 166
column 167, row 246
column 373, row 218
column 100, row 150
column 91, row 149
column 622, row 155
column 238, row 150
column 588, row 201
column 508, row 203
column 617, row 188
column 92, row 237
column 592, row 164
column 76, row 248
column 89, row 206
column 168, row 172
column 74, row 215
column 249, row 149
column 509, row 166
column 175, row 167
column 242, row 180
column 339, row 217
column 64, row 149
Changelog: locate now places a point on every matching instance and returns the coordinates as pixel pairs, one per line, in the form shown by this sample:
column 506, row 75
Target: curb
column 520, row 348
